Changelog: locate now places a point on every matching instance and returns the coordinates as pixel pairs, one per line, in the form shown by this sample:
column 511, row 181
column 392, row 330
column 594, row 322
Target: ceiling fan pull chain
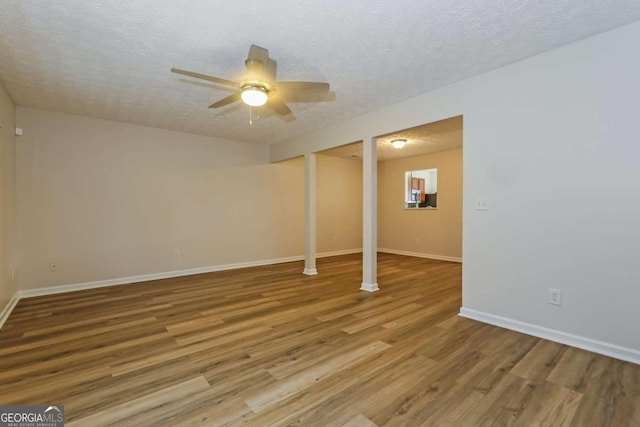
column 250, row 121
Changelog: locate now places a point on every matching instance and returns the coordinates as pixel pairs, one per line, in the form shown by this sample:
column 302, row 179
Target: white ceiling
column 429, row 138
column 111, row 58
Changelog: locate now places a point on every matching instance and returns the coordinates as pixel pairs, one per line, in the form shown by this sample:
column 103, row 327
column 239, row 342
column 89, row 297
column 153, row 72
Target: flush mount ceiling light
column 254, row 96
column 398, row 143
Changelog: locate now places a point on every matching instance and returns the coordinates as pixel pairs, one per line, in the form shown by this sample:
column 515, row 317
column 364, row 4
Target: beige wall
column 107, row 200
column 424, row 231
column 8, row 286
column 338, row 204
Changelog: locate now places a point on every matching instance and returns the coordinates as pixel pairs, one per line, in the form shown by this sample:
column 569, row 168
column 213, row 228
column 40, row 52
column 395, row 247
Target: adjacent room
column 319, row 214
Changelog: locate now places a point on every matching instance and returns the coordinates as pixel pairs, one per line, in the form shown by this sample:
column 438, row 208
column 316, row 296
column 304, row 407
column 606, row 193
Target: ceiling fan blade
column 302, row 87
column 206, row 77
column 270, row 72
column 226, row 101
column 278, row 106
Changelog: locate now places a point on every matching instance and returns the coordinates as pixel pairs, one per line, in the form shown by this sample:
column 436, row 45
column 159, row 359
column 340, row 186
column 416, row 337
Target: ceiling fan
column 259, row 86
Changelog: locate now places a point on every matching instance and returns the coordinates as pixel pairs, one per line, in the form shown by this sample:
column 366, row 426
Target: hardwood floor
column 270, row 346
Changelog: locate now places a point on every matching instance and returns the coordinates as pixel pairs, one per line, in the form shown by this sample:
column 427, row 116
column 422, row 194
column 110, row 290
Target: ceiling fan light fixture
column 259, row 85
column 254, row 96
column 398, row 143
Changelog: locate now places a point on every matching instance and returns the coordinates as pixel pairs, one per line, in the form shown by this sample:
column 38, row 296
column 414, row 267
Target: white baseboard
column 421, row 255
column 369, row 287
column 28, row 293
column 313, row 271
column 600, row 347
column 336, row 253
column 6, row 311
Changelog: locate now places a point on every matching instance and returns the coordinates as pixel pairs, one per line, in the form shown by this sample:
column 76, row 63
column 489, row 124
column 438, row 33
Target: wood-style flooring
column 269, row 346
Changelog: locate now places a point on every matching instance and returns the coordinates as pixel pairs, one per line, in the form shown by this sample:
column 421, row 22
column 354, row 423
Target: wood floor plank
column 120, row 413
column 68, row 336
column 577, row 368
column 39, row 388
column 611, row 397
column 550, row 405
column 91, row 320
column 378, row 396
column 359, row 421
column 430, row 405
column 361, row 324
column 296, row 383
column 321, row 394
column 96, row 353
column 540, row 361
column 92, row 397
column 230, row 412
column 269, row 346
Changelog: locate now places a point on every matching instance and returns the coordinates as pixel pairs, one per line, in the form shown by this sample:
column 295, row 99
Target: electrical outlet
column 176, row 253
column 555, row 296
column 53, row 266
column 482, row 204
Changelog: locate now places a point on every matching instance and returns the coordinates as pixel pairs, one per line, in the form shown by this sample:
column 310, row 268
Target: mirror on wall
column 421, row 189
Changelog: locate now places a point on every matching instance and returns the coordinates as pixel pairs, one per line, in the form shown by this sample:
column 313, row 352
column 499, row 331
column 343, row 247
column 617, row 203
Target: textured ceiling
column 111, row 58
column 437, row 136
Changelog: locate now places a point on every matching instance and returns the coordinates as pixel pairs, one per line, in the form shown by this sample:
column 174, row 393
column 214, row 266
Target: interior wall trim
column 51, row 290
column 336, row 253
column 420, row 255
column 6, row 311
column 600, row 347
column 369, row 287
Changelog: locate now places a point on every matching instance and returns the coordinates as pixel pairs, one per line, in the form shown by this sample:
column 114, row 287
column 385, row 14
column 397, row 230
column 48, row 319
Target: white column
column 310, row 214
column 369, row 215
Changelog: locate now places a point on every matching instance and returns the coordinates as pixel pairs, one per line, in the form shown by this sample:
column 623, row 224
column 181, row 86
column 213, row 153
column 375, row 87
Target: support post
column 310, row 214
column 369, row 215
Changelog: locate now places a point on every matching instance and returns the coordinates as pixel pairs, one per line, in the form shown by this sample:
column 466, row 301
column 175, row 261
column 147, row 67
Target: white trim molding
column 369, row 287
column 337, row 253
column 310, row 271
column 28, row 293
column 421, row 255
column 4, row 315
column 600, row 347
column 51, row 290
